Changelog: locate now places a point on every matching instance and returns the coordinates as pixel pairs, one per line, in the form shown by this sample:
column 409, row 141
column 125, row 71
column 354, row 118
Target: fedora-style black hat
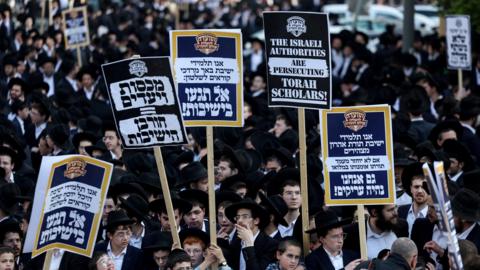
column 326, row 220
column 116, row 218
column 275, row 205
column 455, row 149
column 195, row 195
column 466, row 205
column 136, row 206
column 157, row 241
column 7, row 151
column 182, row 205
column 83, row 136
column 226, row 195
column 282, row 154
column 193, row 172
column 256, row 209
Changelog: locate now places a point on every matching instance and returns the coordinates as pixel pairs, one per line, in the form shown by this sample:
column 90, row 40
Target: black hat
column 444, row 126
column 193, row 172
column 99, row 146
column 231, row 181
column 466, row 205
column 8, row 197
column 230, row 154
column 7, row 151
column 18, row 81
column 89, row 69
column 408, row 173
column 59, row 135
column 150, row 181
column 276, row 182
column 184, row 157
column 195, row 195
column 10, row 225
column 203, row 236
column 326, row 220
column 250, row 161
column 137, row 162
column 136, row 206
column 262, row 141
column 275, row 205
column 256, row 209
column 283, row 154
column 83, row 136
column 128, row 188
column 289, row 140
column 118, row 217
column 157, row 241
column 400, row 156
column 455, row 149
column 182, row 205
column 226, row 195
column 470, row 180
column 43, row 59
column 469, row 107
column 91, row 124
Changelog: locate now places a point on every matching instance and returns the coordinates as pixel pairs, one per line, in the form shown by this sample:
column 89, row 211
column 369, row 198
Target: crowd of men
column 51, row 105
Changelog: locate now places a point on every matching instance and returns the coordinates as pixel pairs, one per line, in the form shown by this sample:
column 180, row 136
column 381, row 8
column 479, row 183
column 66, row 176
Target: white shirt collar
column 468, row 127
column 465, row 233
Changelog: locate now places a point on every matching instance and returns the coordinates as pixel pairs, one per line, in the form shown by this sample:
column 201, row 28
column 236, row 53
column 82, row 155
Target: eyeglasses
column 244, row 216
column 337, row 237
column 194, row 250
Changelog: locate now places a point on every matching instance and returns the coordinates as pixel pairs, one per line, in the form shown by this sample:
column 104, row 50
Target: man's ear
column 234, row 171
column 256, row 221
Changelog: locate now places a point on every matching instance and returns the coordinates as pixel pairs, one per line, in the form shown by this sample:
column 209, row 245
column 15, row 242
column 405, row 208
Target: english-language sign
column 298, row 58
column 208, row 70
column 68, row 204
column 144, row 102
column 357, row 155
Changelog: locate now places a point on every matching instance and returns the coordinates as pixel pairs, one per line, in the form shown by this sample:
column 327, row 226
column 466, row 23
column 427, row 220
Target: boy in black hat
column 119, row 231
column 157, row 246
column 252, row 249
column 228, row 165
column 195, row 218
column 58, row 139
column 180, row 207
column 7, row 162
column 82, row 140
column 112, row 141
column 39, row 113
column 194, row 176
column 330, row 255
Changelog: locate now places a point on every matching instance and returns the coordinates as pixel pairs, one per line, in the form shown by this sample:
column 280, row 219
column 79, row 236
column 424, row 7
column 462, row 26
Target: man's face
column 111, row 140
column 6, row 164
column 120, row 238
column 36, row 117
column 195, row 252
column 419, row 194
column 280, row 127
column 333, row 241
column 160, row 258
column 108, row 207
column 387, row 218
column 13, row 240
column 223, row 221
column 87, row 81
column 183, row 266
column 428, row 88
column 273, row 165
column 81, row 147
column 164, row 220
column 290, row 258
column 292, row 197
column 245, row 219
column 23, row 113
column 194, row 218
column 449, row 134
column 224, row 171
column 201, row 185
column 43, row 147
column 258, row 83
column 455, row 166
column 9, row 70
column 48, row 69
column 16, row 92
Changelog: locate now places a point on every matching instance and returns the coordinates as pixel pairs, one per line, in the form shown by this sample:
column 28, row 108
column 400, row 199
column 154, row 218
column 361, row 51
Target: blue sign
column 358, row 157
column 208, row 72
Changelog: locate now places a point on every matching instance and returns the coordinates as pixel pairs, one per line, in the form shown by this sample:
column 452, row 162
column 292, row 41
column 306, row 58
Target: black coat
column 70, row 261
column 257, row 257
column 474, row 236
column 133, row 258
column 393, row 262
column 422, row 232
column 319, row 260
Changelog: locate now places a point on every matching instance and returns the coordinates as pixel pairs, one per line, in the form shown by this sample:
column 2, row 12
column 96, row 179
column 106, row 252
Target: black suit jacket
column 422, row 232
column 257, row 257
column 474, row 236
column 472, row 142
column 319, row 259
column 70, row 261
column 133, row 258
column 403, row 211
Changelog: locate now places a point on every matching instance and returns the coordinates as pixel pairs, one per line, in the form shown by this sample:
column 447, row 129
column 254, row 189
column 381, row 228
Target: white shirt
column 137, row 241
column 117, row 260
column 256, row 59
column 455, row 177
column 377, row 242
column 468, row 127
column 243, row 263
column 73, row 83
column 272, row 235
column 39, row 129
column 404, row 199
column 411, row 217
column 51, row 85
column 337, row 261
column 442, row 240
column 20, row 120
column 287, row 231
column 465, row 233
column 56, row 259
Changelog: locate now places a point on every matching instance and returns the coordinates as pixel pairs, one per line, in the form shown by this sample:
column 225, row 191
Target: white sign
column 459, row 45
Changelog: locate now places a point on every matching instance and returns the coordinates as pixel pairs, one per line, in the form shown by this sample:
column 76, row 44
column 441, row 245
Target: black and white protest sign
column 298, row 58
column 459, row 44
column 144, row 102
column 75, row 25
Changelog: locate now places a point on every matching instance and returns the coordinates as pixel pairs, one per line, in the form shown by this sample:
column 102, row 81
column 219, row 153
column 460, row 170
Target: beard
column 383, row 224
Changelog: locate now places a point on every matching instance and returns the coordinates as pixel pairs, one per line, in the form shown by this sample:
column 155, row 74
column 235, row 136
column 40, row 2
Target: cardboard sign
column 75, row 25
column 68, row 204
column 298, row 59
column 459, row 45
column 209, row 72
column 358, row 155
column 144, row 103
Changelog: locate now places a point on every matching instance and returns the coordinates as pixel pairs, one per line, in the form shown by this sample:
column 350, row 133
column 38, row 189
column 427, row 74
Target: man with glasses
column 331, row 255
column 251, row 249
column 291, row 194
column 112, row 142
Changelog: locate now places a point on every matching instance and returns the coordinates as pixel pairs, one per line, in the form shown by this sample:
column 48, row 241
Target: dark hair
column 378, row 208
column 289, row 182
column 286, row 242
column 284, row 118
column 92, row 264
column 224, row 204
column 229, row 161
column 113, row 229
column 177, row 256
column 4, row 250
column 13, row 228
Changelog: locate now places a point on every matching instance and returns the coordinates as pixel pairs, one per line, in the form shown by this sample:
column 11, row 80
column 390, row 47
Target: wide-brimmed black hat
column 228, row 152
column 136, row 206
column 44, row 58
column 127, row 188
column 150, row 181
column 231, row 181
column 18, row 81
column 91, row 124
column 400, row 156
column 99, row 146
column 444, row 126
column 226, row 195
column 195, row 195
column 203, row 236
column 275, row 184
column 470, row 180
column 184, row 157
column 182, row 205
column 118, row 217
column 282, row 154
column 250, row 160
column 326, row 220
column 408, row 173
column 10, row 225
column 59, row 135
column 466, row 205
column 83, row 136
column 8, row 197
column 275, row 205
column 455, row 149
column 289, row 140
column 193, row 172
column 256, row 209
column 157, row 241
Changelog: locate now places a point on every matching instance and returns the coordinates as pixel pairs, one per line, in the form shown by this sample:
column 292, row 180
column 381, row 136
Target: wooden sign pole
column 303, row 179
column 212, row 209
column 48, row 260
column 42, row 23
column 362, row 231
column 79, row 57
column 460, row 81
column 166, row 196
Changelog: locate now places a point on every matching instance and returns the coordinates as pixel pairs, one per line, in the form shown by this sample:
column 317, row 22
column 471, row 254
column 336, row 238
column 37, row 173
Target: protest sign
column 75, row 25
column 437, row 184
column 459, row 44
column 68, row 204
column 298, row 59
column 357, row 155
column 144, row 102
column 208, row 70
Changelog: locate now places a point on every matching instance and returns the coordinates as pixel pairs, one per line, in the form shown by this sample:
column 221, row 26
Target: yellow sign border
column 238, row 43
column 385, row 109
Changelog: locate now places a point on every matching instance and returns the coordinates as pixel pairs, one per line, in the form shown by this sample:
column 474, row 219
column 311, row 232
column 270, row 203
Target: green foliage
column 463, row 7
